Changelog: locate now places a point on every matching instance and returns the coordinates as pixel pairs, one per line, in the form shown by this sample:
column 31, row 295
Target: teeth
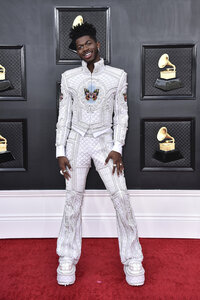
column 87, row 54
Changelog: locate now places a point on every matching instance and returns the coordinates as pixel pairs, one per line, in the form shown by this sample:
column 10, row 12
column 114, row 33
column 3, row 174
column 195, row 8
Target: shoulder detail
column 117, row 71
column 72, row 72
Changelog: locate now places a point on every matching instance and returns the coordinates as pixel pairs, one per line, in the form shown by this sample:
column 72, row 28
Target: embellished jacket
column 94, row 101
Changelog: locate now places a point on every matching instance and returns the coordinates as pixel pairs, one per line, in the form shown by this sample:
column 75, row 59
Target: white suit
column 84, row 132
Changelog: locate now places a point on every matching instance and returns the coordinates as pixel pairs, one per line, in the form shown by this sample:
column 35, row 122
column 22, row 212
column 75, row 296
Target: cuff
column 60, row 151
column 117, row 147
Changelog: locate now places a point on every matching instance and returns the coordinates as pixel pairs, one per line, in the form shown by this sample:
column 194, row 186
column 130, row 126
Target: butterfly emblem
column 91, row 95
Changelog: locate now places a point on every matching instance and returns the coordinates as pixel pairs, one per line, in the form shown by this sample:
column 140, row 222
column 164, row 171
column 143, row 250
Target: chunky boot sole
column 136, row 279
column 65, row 279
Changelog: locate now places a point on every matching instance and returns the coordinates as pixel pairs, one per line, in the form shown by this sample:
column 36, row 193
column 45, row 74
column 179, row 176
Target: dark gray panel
column 13, row 60
column 183, row 133
column 15, row 133
column 64, row 17
column 184, row 58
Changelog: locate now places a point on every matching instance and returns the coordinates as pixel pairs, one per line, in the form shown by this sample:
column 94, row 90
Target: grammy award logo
column 168, row 80
column 4, row 154
column 5, row 84
column 167, row 142
column 2, row 73
column 167, row 151
column 3, row 144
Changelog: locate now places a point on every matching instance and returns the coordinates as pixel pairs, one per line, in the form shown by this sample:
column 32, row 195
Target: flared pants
column 80, row 150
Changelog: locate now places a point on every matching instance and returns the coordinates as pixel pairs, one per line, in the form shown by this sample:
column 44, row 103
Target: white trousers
column 80, row 150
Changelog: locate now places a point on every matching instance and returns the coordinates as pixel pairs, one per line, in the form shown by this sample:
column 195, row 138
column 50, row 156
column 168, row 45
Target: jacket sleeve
column 120, row 121
column 64, row 118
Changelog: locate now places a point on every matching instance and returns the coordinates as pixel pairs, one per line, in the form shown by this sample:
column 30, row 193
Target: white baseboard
column 159, row 213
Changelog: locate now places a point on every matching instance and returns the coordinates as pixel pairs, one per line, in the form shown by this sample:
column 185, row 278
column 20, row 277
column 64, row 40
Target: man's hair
column 81, row 30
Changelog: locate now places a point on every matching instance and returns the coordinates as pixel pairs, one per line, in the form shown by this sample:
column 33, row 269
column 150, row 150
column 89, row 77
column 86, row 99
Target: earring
column 98, row 49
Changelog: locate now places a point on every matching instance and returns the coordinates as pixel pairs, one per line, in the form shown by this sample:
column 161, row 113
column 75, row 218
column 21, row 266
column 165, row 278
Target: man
column 90, row 95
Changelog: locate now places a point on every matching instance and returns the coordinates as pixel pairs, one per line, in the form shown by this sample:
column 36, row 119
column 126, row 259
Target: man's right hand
column 64, row 164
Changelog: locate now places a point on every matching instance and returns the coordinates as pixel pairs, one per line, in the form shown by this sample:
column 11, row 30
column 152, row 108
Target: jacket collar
column 98, row 66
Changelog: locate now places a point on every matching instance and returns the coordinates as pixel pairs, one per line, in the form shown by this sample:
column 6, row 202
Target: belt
column 89, row 132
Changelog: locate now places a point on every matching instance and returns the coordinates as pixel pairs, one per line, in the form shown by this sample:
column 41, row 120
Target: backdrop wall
column 133, row 24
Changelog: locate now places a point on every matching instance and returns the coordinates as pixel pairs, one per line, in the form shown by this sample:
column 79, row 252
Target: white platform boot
column 66, row 273
column 134, row 273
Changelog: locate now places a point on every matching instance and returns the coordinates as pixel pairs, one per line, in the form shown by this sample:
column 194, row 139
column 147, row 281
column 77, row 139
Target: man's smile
column 88, row 54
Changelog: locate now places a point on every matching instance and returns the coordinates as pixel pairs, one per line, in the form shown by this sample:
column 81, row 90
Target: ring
column 121, row 164
column 62, row 172
column 114, row 165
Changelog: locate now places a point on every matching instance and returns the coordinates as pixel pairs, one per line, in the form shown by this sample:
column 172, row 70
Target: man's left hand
column 117, row 162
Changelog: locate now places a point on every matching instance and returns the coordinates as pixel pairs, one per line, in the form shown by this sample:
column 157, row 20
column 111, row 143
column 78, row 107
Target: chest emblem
column 125, row 97
column 61, row 97
column 91, row 93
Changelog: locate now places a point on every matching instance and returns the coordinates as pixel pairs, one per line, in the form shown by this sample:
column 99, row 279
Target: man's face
column 87, row 49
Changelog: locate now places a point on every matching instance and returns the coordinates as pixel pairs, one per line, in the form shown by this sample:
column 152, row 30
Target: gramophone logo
column 167, row 142
column 4, row 154
column 167, row 151
column 168, row 80
column 5, row 84
column 3, row 144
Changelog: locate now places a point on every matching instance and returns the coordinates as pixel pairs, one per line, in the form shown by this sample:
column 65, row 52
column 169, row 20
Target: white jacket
column 89, row 100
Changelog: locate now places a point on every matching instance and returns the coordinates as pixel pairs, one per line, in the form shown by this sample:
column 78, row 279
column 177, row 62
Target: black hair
column 81, row 30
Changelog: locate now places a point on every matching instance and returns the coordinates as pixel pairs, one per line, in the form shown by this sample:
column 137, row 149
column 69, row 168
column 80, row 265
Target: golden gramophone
column 77, row 21
column 167, row 151
column 4, row 154
column 5, row 84
column 3, row 144
column 169, row 73
column 169, row 141
column 167, row 80
column 2, row 73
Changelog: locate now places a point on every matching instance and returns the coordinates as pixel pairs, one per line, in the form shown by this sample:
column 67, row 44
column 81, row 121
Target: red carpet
column 28, row 271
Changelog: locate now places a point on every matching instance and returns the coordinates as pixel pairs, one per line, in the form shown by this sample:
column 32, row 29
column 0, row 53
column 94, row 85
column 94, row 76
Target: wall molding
column 159, row 213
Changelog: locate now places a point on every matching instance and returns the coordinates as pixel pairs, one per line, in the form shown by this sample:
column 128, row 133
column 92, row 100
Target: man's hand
column 117, row 161
column 63, row 163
